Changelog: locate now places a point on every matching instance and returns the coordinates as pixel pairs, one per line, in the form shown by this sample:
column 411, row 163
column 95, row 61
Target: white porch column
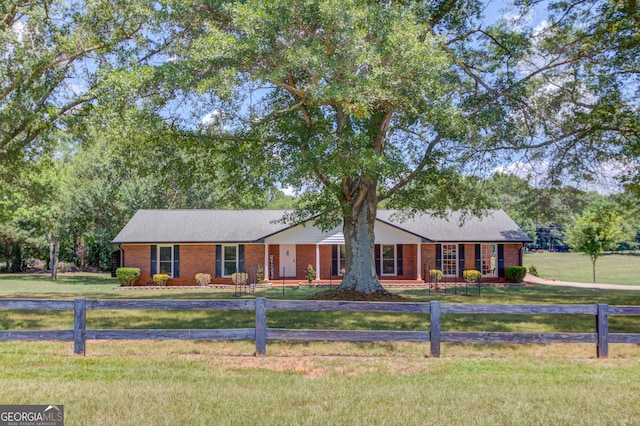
column 266, row 262
column 317, row 261
column 419, row 261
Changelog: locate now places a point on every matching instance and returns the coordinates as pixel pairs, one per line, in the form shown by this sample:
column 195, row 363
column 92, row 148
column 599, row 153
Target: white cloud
column 606, row 177
column 531, row 171
column 214, row 119
column 289, row 191
column 20, row 29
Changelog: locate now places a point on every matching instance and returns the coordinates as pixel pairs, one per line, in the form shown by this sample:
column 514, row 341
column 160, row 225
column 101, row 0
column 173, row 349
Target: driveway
column 531, row 279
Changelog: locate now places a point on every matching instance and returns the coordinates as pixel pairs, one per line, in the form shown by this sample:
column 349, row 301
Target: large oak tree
column 358, row 103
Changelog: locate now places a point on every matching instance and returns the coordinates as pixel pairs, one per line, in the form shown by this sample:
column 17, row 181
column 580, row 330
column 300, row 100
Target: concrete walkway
column 531, row 279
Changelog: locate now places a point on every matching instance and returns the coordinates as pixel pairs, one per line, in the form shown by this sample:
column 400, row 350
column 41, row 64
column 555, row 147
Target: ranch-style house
column 183, row 243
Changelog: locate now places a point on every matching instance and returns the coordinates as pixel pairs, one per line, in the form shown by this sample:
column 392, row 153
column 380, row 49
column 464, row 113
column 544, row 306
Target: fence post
column 261, row 326
column 79, row 326
column 602, row 330
column 434, row 329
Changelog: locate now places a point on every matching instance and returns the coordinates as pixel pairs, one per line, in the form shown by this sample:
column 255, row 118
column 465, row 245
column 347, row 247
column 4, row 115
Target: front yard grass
column 151, row 383
column 620, row 268
column 199, row 382
column 102, row 287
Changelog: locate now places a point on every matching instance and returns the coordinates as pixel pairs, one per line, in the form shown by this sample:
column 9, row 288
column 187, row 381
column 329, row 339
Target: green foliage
column 43, row 77
column 533, row 271
column 127, row 276
column 311, row 273
column 399, row 103
column 240, row 278
column 435, row 274
column 471, row 275
column 160, row 279
column 598, row 229
column 515, row 274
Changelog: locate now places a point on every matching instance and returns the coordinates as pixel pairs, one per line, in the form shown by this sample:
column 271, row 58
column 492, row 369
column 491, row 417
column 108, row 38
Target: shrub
column 66, row 267
column 127, row 276
column 160, row 279
column 471, row 275
column 533, row 271
column 435, row 274
column 203, row 279
column 515, row 274
column 311, row 274
column 240, row 278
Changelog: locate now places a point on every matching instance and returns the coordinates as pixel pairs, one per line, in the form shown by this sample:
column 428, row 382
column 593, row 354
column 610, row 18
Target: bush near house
column 203, row 279
column 127, row 276
column 471, row 275
column 160, row 279
column 515, row 274
column 436, row 274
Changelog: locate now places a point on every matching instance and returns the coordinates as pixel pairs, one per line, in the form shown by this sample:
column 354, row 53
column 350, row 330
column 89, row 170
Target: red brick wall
column 512, row 255
column 194, row 259
column 200, row 258
column 428, row 258
column 138, row 256
column 325, row 264
column 409, row 262
column 469, row 256
column 305, row 256
column 254, row 255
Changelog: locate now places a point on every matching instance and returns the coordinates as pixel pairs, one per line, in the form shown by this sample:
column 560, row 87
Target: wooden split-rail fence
column 261, row 333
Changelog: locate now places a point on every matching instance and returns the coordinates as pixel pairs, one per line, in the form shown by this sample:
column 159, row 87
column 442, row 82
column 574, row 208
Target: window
column 229, row 260
column 342, row 256
column 488, row 259
column 165, row 260
column 450, row 260
column 388, row 259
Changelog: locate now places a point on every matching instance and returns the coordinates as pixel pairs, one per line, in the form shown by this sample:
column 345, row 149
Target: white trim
column 457, row 246
column 265, row 273
column 419, row 257
column 340, row 259
column 222, row 272
column 159, row 248
column 495, row 266
column 395, row 260
column 317, row 261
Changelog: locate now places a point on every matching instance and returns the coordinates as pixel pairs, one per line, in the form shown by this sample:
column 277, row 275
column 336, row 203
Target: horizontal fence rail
column 433, row 311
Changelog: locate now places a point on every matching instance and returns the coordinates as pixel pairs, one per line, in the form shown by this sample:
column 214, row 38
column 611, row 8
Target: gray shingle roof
column 200, row 226
column 496, row 226
column 235, row 226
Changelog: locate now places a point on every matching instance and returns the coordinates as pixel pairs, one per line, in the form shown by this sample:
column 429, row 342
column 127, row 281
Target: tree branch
column 418, row 169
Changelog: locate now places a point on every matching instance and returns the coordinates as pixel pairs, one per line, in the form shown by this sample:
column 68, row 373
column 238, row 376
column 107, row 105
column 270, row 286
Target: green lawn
column 196, row 382
column 610, row 268
column 202, row 383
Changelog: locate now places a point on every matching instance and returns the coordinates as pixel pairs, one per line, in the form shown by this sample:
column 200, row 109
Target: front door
column 287, row 260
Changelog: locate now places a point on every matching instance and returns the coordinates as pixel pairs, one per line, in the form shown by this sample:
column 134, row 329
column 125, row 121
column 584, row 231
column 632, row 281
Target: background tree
column 360, row 103
column 595, row 231
column 49, row 53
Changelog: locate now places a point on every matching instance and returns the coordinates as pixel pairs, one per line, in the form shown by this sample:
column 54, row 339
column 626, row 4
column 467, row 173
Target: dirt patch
column 378, row 296
column 322, row 366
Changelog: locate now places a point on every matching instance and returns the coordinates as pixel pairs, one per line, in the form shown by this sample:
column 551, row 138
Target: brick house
column 183, row 243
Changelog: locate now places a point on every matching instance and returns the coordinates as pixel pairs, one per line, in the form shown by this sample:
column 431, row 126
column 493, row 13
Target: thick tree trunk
column 358, row 228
